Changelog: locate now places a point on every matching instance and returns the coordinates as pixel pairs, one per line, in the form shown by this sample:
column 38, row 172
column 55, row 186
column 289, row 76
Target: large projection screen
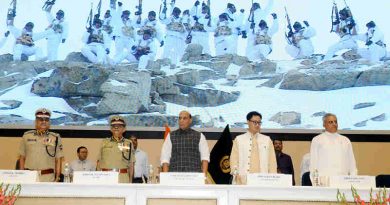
column 290, row 94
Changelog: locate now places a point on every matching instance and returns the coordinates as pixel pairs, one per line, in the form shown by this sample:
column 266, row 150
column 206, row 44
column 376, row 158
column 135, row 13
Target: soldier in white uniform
column 262, row 41
column 97, row 43
column 24, row 43
column 175, row 37
column 152, row 25
column 200, row 27
column 56, row 33
column 223, row 36
column 107, row 24
column 236, row 22
column 374, row 40
column 299, row 43
column 346, row 29
column 41, row 150
column 124, row 31
column 142, row 51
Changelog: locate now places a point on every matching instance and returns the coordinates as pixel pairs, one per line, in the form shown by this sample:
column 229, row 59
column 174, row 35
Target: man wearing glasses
column 185, row 150
column 331, row 154
column 117, row 153
column 41, row 150
column 252, row 152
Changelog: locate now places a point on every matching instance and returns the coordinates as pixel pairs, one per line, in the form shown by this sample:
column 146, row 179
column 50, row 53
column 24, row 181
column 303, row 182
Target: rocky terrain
column 98, row 91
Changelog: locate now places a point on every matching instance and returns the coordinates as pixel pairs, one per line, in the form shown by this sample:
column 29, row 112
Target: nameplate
column 18, row 176
column 95, row 177
column 182, row 178
column 363, row 182
column 270, row 180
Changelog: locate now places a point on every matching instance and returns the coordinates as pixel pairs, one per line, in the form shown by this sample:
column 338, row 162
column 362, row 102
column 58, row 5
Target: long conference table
column 153, row 194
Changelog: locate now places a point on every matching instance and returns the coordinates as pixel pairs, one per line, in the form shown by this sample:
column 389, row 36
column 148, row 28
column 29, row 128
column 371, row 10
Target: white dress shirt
column 331, row 154
column 166, row 150
column 305, row 164
column 141, row 167
column 85, row 165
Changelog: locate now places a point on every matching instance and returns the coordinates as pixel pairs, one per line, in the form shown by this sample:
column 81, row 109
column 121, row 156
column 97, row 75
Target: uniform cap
column 43, row 113
column 117, row 120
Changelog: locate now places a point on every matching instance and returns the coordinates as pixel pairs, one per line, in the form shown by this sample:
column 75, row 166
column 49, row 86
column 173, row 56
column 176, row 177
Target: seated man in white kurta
column 331, row 154
column 252, row 152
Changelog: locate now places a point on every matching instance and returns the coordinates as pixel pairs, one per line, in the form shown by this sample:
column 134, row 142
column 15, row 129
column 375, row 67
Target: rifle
column 163, row 10
column 209, row 12
column 98, row 8
column 11, row 10
column 90, row 19
column 48, row 4
column 289, row 27
column 335, row 14
column 349, row 9
column 251, row 18
column 139, row 11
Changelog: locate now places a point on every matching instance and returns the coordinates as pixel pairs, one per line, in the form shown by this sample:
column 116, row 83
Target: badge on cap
column 43, row 113
column 117, row 120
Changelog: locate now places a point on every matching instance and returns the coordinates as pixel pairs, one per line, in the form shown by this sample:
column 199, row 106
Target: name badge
column 18, row 176
column 270, row 180
column 182, row 178
column 95, row 177
column 363, row 182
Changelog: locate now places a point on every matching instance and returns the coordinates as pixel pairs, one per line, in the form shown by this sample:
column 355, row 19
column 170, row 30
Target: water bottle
column 151, row 173
column 235, row 176
column 316, row 178
column 67, row 173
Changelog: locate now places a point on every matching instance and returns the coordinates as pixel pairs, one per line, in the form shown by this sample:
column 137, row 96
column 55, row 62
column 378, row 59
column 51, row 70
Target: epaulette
column 54, row 134
column 30, row 132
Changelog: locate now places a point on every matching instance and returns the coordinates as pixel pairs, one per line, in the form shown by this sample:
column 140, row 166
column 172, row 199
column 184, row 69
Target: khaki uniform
column 112, row 157
column 41, row 152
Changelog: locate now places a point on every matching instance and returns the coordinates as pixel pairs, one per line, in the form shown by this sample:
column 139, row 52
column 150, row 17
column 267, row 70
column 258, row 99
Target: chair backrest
column 383, row 180
column 306, row 179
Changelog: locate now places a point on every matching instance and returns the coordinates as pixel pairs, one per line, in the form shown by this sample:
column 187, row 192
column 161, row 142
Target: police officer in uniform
column 117, row 153
column 41, row 150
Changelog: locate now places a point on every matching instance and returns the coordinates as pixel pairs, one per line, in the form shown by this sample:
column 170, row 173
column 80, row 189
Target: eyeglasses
column 117, row 126
column 43, row 119
column 255, row 122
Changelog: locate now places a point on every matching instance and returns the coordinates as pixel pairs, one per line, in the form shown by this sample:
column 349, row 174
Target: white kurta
column 331, row 154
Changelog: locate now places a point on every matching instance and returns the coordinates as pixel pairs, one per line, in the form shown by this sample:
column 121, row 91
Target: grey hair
column 328, row 115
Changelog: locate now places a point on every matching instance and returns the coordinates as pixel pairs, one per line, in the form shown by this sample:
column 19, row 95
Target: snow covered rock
column 189, row 77
column 379, row 118
column 192, row 52
column 19, row 73
column 287, row 118
column 6, row 58
column 164, row 85
column 10, row 104
column 363, row 105
column 76, row 57
column 73, row 79
column 125, row 92
column 14, row 119
column 319, row 80
column 351, row 55
column 374, row 76
column 193, row 97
